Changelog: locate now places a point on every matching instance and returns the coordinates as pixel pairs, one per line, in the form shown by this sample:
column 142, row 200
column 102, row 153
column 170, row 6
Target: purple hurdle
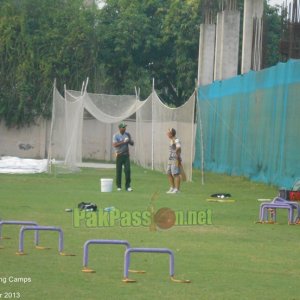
column 149, row 250
column 279, row 203
column 14, row 222
column 44, row 228
column 86, row 269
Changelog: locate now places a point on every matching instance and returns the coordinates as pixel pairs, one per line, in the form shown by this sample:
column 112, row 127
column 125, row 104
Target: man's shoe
column 175, row 191
column 119, row 189
column 129, row 189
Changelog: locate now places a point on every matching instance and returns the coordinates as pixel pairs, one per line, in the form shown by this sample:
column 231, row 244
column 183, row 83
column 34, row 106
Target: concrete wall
column 28, row 142
column 206, row 54
column 218, row 50
column 227, row 44
column 97, row 139
column 33, row 141
column 252, row 9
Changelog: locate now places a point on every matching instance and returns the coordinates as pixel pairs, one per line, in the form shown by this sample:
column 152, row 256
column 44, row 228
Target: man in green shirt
column 121, row 140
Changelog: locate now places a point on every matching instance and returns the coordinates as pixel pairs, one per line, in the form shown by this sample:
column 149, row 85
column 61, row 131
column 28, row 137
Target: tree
column 180, row 38
column 41, row 40
column 123, row 45
column 272, row 32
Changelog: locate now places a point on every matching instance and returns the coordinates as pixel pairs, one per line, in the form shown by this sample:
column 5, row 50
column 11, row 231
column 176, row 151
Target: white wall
column 97, row 139
column 27, row 142
column 32, row 142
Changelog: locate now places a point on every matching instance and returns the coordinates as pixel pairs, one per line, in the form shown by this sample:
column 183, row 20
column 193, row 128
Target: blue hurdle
column 279, row 203
column 43, row 228
column 150, row 250
column 101, row 242
column 14, row 222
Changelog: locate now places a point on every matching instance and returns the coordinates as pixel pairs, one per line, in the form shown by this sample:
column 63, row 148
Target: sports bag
column 87, row 206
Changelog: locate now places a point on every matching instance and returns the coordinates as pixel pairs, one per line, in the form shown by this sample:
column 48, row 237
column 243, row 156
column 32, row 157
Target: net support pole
column 192, row 139
column 82, row 88
column 201, row 140
column 51, row 127
column 65, row 117
column 137, row 96
column 86, row 85
column 152, row 126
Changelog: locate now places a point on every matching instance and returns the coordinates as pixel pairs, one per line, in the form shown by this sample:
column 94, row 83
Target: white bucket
column 106, row 185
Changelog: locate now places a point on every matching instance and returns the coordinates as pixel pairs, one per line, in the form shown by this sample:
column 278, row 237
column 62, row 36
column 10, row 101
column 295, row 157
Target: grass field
column 232, row 258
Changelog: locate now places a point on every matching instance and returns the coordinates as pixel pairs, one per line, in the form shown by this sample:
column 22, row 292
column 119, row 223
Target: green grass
column 233, row 258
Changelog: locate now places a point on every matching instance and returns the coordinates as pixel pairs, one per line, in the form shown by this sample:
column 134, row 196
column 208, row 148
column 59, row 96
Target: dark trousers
column 120, row 161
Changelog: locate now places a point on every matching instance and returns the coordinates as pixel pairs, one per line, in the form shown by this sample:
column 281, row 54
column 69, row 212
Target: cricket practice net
column 83, row 125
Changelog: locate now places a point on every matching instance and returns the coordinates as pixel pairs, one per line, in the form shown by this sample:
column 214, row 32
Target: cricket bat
column 182, row 173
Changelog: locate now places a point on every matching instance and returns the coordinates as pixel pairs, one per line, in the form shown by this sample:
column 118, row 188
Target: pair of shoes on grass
column 128, row 189
column 172, row 191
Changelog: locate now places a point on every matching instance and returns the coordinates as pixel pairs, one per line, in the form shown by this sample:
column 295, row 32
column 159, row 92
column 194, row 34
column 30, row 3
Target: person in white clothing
column 174, row 161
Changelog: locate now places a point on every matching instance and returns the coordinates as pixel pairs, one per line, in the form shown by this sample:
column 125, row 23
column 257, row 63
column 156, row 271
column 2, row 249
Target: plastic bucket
column 106, row 185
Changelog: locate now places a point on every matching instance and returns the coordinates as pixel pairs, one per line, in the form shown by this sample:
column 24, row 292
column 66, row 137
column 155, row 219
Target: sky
column 274, row 2
column 271, row 2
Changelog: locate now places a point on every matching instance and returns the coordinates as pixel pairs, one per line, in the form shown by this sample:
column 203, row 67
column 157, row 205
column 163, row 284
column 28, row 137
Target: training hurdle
column 13, row 222
column 149, row 250
column 86, row 269
column 278, row 203
column 42, row 228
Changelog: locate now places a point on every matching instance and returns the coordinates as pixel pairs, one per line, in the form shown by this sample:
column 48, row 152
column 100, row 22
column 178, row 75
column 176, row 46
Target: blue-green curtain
column 251, row 125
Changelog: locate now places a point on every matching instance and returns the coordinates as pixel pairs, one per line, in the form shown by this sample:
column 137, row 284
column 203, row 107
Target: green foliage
column 180, row 36
column 121, row 46
column 272, row 34
column 41, row 40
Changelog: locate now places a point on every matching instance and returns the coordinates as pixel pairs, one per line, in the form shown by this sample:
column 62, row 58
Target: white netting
column 74, row 119
column 153, row 121
column 74, row 137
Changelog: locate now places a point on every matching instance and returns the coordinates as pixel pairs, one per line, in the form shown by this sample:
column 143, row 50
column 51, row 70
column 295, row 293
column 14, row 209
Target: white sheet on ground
column 16, row 165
